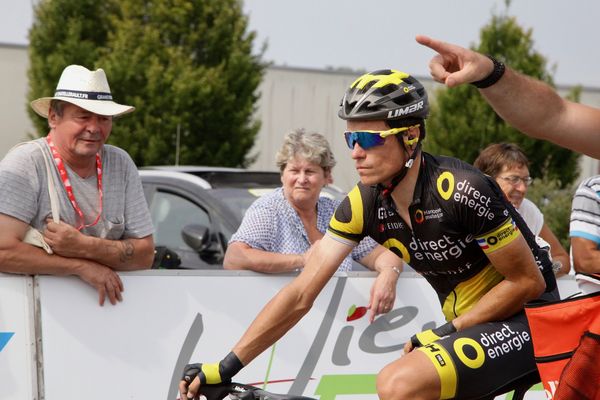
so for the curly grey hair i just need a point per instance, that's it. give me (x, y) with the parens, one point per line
(312, 147)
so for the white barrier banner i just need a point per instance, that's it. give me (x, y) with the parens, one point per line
(17, 343)
(137, 349)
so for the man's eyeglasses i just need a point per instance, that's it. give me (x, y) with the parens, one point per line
(514, 179)
(367, 139)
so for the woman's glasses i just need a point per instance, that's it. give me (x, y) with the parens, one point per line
(367, 139)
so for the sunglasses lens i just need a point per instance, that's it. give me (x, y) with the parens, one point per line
(365, 140)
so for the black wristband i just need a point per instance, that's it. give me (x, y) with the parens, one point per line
(229, 366)
(493, 77)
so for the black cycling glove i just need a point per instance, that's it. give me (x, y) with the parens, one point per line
(213, 373)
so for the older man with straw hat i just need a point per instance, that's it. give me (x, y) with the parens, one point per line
(84, 197)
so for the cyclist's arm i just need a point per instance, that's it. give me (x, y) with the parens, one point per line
(293, 301)
(383, 291)
(536, 109)
(522, 282)
(240, 255)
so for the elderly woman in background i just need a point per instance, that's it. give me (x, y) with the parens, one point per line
(508, 165)
(281, 228)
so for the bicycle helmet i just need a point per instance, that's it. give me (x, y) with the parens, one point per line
(384, 94)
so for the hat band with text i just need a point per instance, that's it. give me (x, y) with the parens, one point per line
(83, 95)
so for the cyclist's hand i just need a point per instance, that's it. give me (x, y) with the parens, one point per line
(195, 375)
(429, 336)
(383, 293)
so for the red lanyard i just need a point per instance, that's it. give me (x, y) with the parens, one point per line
(67, 184)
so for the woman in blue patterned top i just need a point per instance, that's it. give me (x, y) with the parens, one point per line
(281, 228)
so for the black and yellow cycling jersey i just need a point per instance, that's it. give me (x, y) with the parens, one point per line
(457, 215)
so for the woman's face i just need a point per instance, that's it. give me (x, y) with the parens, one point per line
(302, 182)
(513, 182)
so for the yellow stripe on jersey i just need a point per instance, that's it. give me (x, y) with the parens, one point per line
(356, 223)
(446, 370)
(500, 237)
(467, 293)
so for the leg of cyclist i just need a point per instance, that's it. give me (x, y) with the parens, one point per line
(412, 376)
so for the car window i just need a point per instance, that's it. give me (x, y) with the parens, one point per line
(170, 213)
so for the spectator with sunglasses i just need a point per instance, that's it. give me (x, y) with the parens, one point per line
(104, 223)
(508, 165)
(281, 228)
(449, 222)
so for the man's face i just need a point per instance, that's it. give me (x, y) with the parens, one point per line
(79, 133)
(378, 164)
(512, 181)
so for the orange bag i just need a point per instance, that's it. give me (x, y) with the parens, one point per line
(557, 329)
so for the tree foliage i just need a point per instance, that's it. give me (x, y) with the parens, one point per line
(462, 123)
(187, 66)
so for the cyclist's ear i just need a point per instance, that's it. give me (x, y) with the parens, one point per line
(411, 137)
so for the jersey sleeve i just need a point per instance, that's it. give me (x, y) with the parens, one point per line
(480, 207)
(347, 224)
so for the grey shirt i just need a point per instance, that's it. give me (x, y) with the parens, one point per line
(24, 193)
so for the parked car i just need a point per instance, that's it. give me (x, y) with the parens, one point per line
(195, 210)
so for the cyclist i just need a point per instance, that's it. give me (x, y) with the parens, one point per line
(446, 219)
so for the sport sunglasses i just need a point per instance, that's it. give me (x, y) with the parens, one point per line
(367, 139)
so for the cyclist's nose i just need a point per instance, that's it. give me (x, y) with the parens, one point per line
(357, 151)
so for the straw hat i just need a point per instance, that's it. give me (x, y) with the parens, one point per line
(84, 88)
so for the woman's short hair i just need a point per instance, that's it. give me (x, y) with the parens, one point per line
(311, 146)
(495, 157)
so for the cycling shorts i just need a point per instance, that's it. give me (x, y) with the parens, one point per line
(481, 360)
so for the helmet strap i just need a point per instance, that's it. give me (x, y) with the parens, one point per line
(386, 190)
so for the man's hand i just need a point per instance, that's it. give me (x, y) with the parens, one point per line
(195, 375)
(64, 239)
(429, 336)
(106, 281)
(455, 65)
(383, 293)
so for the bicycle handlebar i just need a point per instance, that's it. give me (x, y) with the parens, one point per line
(238, 391)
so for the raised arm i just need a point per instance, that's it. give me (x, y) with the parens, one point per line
(530, 105)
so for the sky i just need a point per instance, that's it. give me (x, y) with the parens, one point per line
(375, 34)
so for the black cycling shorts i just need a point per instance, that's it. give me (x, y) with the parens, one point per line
(482, 359)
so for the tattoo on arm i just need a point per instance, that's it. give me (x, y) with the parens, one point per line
(127, 250)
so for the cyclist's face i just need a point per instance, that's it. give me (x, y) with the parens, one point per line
(377, 164)
(515, 192)
(302, 182)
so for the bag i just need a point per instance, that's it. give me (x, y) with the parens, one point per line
(564, 334)
(33, 236)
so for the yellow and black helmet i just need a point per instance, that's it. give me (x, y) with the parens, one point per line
(384, 94)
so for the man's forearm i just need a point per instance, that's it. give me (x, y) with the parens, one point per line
(23, 258)
(120, 255)
(530, 105)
